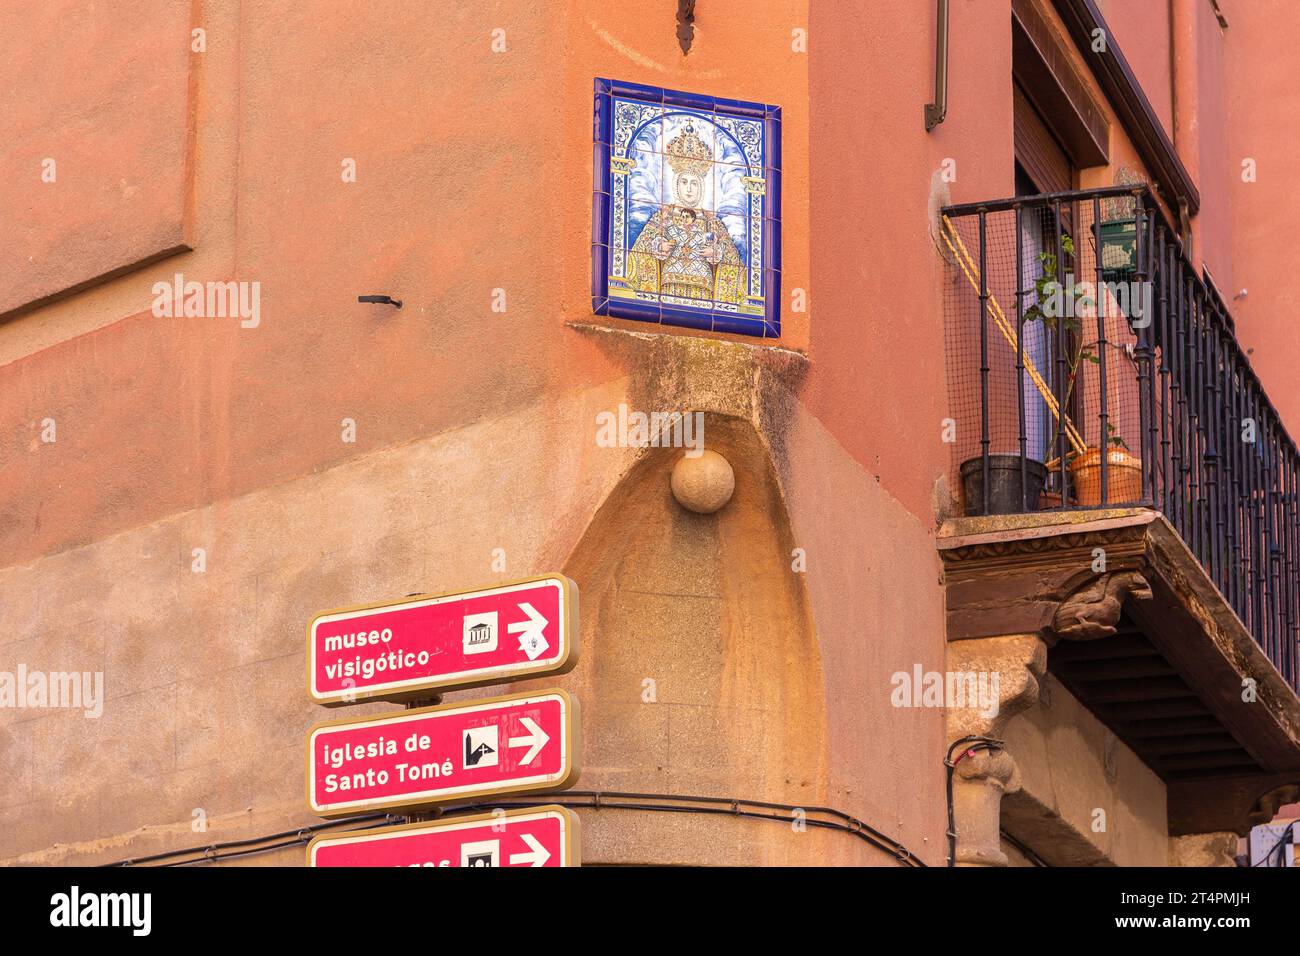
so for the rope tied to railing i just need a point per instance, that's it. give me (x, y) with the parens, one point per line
(972, 273)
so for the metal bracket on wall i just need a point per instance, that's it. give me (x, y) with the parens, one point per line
(685, 24)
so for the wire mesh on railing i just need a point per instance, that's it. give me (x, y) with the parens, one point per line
(1046, 347)
(1090, 366)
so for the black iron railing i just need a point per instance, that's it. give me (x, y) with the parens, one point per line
(1090, 366)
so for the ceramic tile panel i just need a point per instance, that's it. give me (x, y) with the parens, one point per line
(686, 211)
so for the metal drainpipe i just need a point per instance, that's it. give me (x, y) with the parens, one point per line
(936, 111)
(1184, 47)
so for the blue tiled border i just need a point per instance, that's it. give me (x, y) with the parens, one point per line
(767, 327)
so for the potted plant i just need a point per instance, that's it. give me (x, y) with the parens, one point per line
(1124, 469)
(1123, 472)
(1005, 484)
(1016, 483)
(1013, 489)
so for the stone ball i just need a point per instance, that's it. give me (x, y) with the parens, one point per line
(703, 484)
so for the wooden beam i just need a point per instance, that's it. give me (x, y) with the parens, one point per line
(1119, 646)
(1170, 727)
(1118, 668)
(1151, 710)
(1190, 744)
(1234, 758)
(1139, 689)
(1209, 801)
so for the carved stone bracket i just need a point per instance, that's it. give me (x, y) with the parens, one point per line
(1234, 804)
(1042, 579)
(1010, 669)
(1092, 610)
(1147, 644)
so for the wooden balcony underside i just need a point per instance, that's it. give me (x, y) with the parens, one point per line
(1148, 644)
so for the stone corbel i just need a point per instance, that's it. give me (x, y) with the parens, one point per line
(1034, 574)
(1203, 849)
(1011, 668)
(1092, 609)
(1041, 580)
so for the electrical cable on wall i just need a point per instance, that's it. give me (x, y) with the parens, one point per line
(978, 744)
(1279, 848)
(590, 799)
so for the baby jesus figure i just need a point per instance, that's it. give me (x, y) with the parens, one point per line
(689, 251)
(685, 252)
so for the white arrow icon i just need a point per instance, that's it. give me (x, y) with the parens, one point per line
(537, 857)
(531, 640)
(535, 741)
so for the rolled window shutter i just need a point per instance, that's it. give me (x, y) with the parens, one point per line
(1037, 149)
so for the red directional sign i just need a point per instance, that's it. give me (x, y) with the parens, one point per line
(534, 836)
(515, 744)
(402, 650)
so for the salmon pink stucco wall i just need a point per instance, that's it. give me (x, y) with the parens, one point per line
(95, 160)
(473, 172)
(877, 184)
(1262, 102)
(472, 187)
(1142, 31)
(471, 180)
(469, 128)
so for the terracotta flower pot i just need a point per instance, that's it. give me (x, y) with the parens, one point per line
(1051, 501)
(1123, 477)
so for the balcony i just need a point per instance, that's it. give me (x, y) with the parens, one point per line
(1123, 475)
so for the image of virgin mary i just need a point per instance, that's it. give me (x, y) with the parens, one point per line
(685, 251)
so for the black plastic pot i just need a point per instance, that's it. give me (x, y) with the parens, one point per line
(1004, 485)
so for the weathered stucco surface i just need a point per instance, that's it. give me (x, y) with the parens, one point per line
(206, 708)
(97, 132)
(771, 629)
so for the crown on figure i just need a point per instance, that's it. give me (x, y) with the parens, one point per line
(687, 153)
